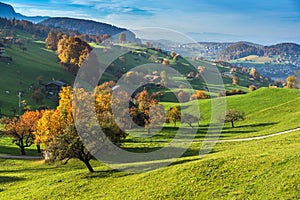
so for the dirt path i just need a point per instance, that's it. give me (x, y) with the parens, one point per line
(258, 137)
(21, 157)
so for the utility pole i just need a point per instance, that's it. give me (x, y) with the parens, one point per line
(19, 95)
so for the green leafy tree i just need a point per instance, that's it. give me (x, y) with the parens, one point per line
(234, 115)
(190, 119)
(69, 145)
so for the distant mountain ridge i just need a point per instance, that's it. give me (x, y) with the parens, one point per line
(7, 11)
(87, 27)
(243, 49)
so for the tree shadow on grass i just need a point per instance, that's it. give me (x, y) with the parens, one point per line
(10, 179)
(202, 132)
(256, 125)
(141, 149)
(106, 173)
(184, 161)
(238, 131)
(17, 152)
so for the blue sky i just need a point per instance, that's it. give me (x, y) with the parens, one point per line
(264, 21)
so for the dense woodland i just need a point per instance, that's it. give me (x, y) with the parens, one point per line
(86, 27)
(10, 26)
(242, 49)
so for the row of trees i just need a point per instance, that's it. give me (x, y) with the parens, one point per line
(55, 129)
(184, 96)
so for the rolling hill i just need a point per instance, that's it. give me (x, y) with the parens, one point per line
(26, 67)
(87, 27)
(242, 49)
(258, 169)
(7, 11)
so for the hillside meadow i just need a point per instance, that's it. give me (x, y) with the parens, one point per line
(25, 70)
(264, 169)
(258, 169)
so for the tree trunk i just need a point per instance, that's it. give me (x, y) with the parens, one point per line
(22, 150)
(38, 147)
(232, 124)
(89, 166)
(149, 134)
(148, 131)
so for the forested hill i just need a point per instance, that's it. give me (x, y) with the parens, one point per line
(240, 50)
(86, 27)
(7, 11)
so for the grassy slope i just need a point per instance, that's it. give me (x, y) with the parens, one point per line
(25, 68)
(265, 169)
(267, 111)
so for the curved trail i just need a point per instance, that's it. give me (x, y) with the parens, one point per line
(21, 157)
(256, 138)
(230, 140)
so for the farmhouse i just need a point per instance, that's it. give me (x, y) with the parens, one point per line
(54, 87)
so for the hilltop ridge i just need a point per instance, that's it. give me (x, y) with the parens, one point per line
(7, 11)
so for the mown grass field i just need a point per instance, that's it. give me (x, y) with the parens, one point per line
(267, 111)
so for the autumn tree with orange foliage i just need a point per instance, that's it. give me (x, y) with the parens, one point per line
(56, 129)
(147, 112)
(72, 51)
(21, 129)
(173, 115)
(200, 94)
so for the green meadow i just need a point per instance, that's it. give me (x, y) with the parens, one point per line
(264, 169)
(26, 67)
(258, 169)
